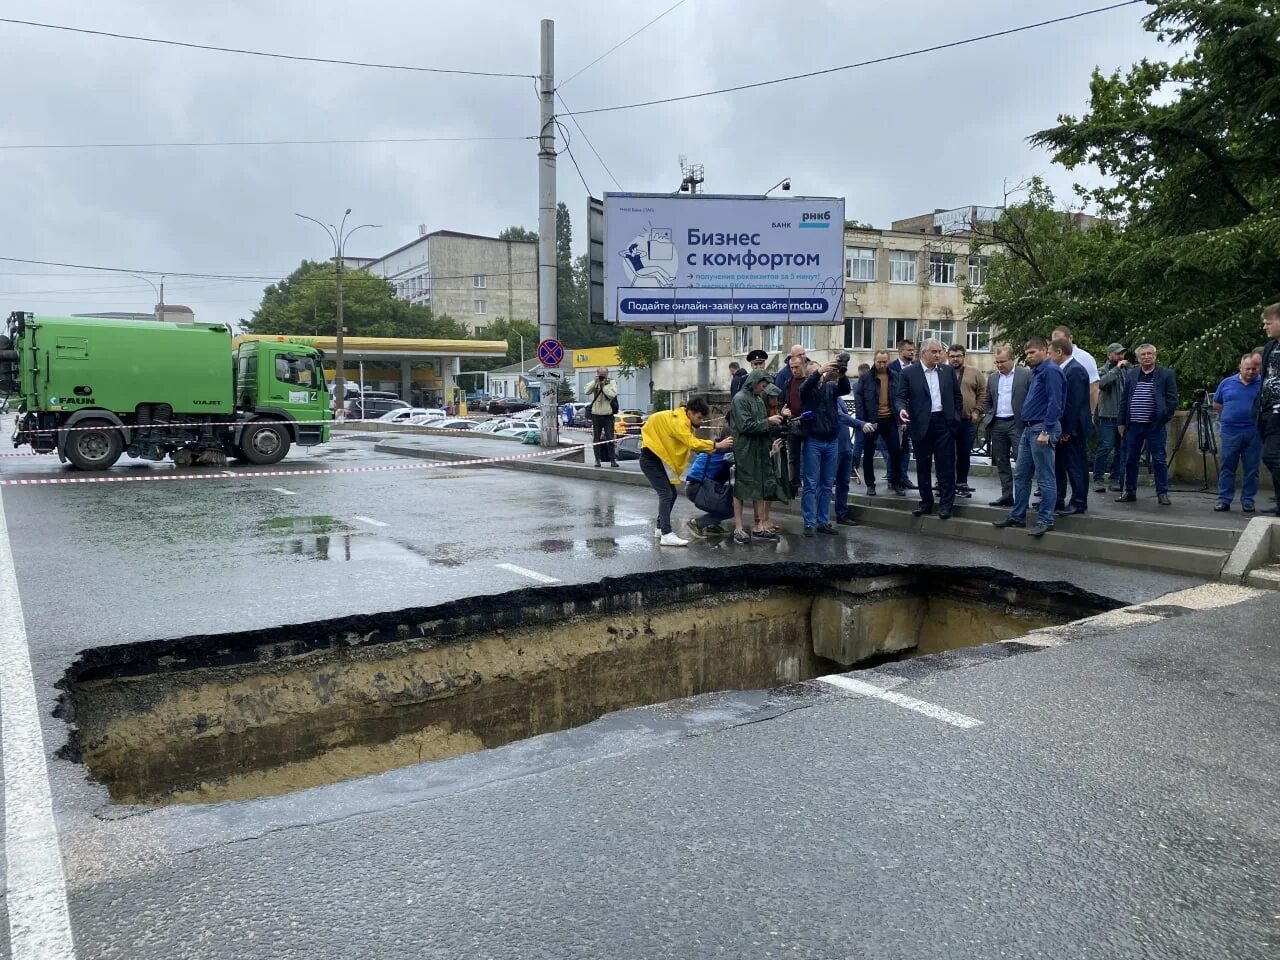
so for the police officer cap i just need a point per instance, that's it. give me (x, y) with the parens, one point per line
(755, 355)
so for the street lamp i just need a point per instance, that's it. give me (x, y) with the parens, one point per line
(159, 292)
(784, 183)
(339, 235)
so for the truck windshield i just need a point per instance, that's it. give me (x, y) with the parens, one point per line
(300, 371)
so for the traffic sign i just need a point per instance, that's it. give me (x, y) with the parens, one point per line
(550, 353)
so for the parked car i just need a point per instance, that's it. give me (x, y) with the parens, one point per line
(451, 423)
(404, 414)
(627, 448)
(627, 424)
(494, 424)
(522, 432)
(509, 405)
(372, 408)
(579, 415)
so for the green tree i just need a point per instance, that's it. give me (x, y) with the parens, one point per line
(305, 302)
(511, 331)
(518, 233)
(1190, 155)
(636, 350)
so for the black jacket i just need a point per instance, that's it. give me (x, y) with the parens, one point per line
(1261, 412)
(823, 399)
(739, 378)
(866, 395)
(913, 396)
(1166, 394)
(1077, 420)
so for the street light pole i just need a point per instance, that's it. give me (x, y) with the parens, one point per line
(339, 235)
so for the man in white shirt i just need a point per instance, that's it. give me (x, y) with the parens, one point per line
(1007, 387)
(1085, 359)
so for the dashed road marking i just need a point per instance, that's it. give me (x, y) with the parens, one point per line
(369, 520)
(36, 887)
(287, 493)
(526, 572)
(911, 703)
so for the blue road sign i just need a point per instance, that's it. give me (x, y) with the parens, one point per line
(550, 353)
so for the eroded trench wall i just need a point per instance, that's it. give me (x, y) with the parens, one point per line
(220, 718)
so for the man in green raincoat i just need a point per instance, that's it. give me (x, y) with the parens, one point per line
(754, 475)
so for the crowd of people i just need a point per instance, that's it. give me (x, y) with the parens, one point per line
(793, 435)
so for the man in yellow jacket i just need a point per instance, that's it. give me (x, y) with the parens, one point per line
(667, 443)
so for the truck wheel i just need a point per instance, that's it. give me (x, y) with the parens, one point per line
(264, 442)
(94, 449)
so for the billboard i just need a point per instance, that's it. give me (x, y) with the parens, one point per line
(683, 261)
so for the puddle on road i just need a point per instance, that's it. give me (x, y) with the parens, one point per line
(216, 718)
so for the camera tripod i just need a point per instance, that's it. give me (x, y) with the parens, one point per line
(1206, 442)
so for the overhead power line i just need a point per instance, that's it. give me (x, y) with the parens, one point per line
(243, 277)
(257, 53)
(582, 70)
(247, 143)
(588, 142)
(862, 63)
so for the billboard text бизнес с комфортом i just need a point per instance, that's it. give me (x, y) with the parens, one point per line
(723, 260)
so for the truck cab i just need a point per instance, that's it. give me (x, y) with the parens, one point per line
(281, 379)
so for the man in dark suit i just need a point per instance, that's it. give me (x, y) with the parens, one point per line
(1071, 460)
(929, 403)
(1150, 398)
(1002, 412)
(906, 357)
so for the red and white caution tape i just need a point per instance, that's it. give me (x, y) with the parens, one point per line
(311, 472)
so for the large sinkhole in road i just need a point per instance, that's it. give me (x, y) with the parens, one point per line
(212, 718)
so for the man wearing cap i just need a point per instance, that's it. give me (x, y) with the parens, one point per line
(1110, 396)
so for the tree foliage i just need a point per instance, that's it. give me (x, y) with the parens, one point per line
(636, 350)
(1190, 155)
(518, 233)
(305, 303)
(510, 331)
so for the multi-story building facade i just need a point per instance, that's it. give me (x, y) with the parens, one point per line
(898, 283)
(471, 278)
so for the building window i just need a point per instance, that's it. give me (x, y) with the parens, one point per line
(666, 346)
(900, 330)
(857, 333)
(479, 282)
(942, 269)
(978, 266)
(860, 264)
(902, 266)
(807, 337)
(689, 343)
(771, 339)
(482, 306)
(944, 330)
(713, 342)
(741, 339)
(977, 335)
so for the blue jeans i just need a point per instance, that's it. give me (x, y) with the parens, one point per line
(818, 470)
(1035, 459)
(1153, 436)
(1239, 443)
(1108, 446)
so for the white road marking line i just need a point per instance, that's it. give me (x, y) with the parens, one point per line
(526, 572)
(287, 493)
(39, 922)
(369, 520)
(911, 703)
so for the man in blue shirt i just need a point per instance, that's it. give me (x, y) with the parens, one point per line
(1234, 400)
(1041, 430)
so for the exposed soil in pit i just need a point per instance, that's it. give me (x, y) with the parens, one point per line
(206, 719)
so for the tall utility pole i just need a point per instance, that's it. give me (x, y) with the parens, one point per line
(548, 307)
(339, 235)
(691, 178)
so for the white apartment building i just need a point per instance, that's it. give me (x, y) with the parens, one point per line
(471, 278)
(905, 282)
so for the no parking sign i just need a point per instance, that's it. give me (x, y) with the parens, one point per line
(550, 353)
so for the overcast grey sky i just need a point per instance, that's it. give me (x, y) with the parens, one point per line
(897, 139)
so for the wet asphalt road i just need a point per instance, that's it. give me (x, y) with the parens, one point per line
(1118, 800)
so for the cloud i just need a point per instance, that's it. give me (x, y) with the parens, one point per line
(896, 139)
